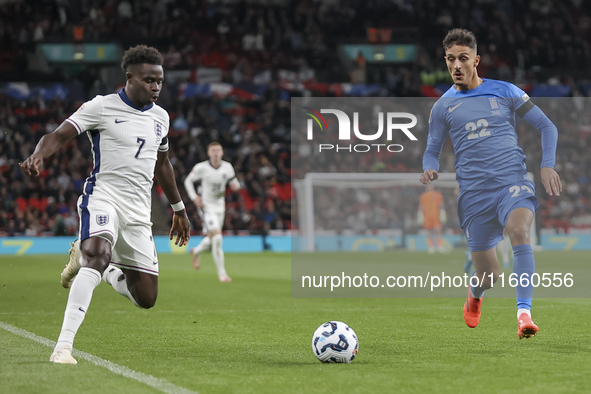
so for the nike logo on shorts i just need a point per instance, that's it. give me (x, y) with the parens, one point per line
(121, 121)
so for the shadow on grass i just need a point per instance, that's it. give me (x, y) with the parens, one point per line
(292, 363)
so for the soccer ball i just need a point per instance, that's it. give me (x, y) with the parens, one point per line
(335, 342)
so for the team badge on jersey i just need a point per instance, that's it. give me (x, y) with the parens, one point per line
(158, 129)
(494, 106)
(102, 220)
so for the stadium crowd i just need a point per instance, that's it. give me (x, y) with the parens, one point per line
(253, 41)
(255, 137)
(517, 39)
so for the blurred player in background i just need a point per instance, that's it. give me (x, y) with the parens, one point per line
(431, 215)
(128, 133)
(215, 175)
(495, 192)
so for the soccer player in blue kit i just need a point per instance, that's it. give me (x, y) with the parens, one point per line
(495, 192)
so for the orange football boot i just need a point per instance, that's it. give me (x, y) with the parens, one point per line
(526, 328)
(472, 310)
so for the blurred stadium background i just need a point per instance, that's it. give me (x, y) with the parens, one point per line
(231, 68)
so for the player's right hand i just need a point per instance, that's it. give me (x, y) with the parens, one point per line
(181, 226)
(31, 165)
(428, 176)
(198, 202)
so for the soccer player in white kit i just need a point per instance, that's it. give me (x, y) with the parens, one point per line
(128, 133)
(214, 174)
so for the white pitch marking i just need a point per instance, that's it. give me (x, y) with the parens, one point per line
(158, 384)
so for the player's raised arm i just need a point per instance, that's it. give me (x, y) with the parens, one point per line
(47, 146)
(165, 176)
(435, 140)
(537, 118)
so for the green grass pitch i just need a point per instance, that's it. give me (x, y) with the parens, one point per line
(250, 336)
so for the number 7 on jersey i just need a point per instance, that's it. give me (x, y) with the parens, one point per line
(140, 141)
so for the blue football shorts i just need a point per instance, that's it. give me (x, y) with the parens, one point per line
(483, 213)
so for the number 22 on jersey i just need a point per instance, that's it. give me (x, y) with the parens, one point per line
(481, 124)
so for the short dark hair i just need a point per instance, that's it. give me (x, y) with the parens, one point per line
(139, 55)
(214, 143)
(459, 37)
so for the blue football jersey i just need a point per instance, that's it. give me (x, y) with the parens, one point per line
(481, 125)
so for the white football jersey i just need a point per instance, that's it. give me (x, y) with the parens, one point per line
(125, 142)
(213, 184)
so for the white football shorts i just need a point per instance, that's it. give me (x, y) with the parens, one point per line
(212, 220)
(132, 244)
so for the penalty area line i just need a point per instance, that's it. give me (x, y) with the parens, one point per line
(158, 384)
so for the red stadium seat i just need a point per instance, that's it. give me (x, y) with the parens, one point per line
(35, 202)
(22, 203)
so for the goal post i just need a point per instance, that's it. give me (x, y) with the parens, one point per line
(376, 209)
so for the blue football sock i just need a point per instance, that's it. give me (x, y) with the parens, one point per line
(524, 263)
(468, 263)
(477, 291)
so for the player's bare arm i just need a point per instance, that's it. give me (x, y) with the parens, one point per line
(234, 185)
(551, 181)
(47, 146)
(428, 176)
(198, 202)
(165, 176)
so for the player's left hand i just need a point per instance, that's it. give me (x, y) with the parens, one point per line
(429, 176)
(182, 226)
(551, 181)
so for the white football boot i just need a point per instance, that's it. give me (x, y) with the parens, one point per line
(63, 356)
(71, 269)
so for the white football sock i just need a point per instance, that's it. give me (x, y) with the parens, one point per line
(218, 253)
(505, 249)
(116, 278)
(520, 311)
(203, 246)
(78, 301)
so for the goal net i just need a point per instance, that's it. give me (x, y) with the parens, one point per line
(352, 212)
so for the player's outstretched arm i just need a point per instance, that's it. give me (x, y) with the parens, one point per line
(47, 146)
(438, 130)
(165, 177)
(428, 176)
(551, 180)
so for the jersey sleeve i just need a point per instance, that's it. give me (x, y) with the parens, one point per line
(438, 129)
(231, 173)
(233, 182)
(88, 116)
(163, 145)
(537, 118)
(520, 102)
(194, 176)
